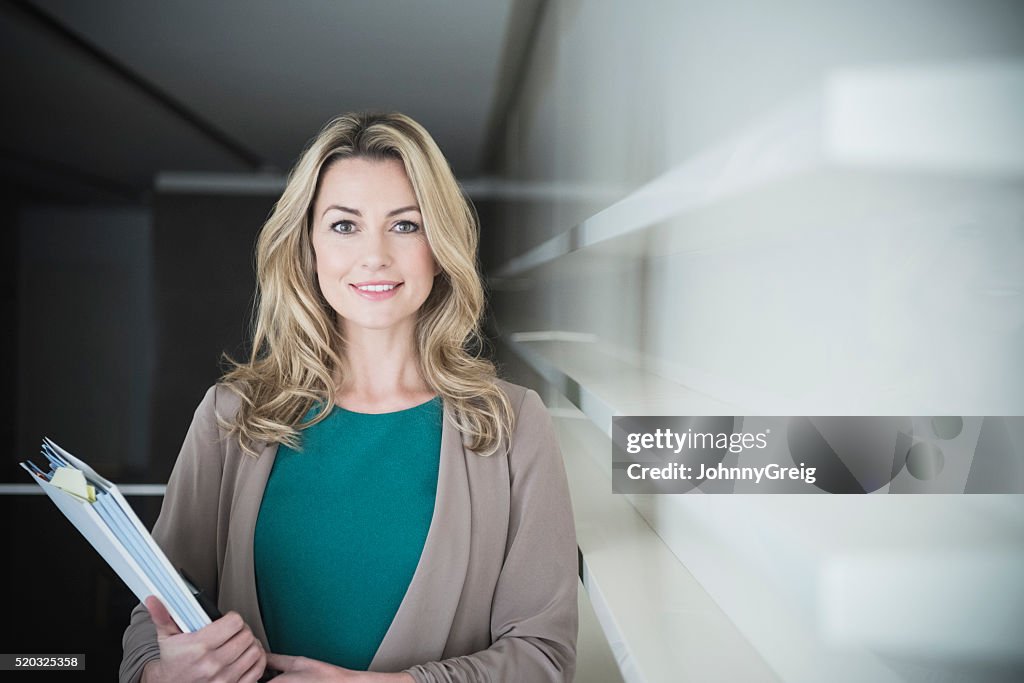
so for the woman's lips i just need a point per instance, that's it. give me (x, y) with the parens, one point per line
(376, 296)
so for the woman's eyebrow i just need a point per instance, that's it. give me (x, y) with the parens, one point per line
(358, 213)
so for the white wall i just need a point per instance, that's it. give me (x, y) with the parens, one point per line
(791, 208)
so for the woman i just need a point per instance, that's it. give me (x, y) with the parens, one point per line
(363, 498)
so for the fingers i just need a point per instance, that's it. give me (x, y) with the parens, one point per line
(214, 634)
(239, 643)
(251, 661)
(255, 672)
(165, 625)
(221, 631)
(281, 662)
(225, 649)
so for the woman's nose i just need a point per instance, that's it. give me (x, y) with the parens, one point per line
(376, 254)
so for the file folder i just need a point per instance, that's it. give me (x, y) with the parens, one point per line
(112, 528)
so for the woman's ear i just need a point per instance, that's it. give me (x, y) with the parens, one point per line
(437, 268)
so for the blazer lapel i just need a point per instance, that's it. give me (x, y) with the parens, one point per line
(421, 626)
(239, 587)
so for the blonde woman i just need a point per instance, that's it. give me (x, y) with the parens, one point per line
(364, 499)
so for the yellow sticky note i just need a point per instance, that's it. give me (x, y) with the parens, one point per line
(72, 481)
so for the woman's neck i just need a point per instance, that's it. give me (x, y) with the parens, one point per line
(383, 374)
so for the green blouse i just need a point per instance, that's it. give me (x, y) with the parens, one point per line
(341, 529)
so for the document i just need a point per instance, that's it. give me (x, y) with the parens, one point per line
(103, 516)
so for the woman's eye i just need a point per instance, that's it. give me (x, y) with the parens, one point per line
(407, 226)
(343, 227)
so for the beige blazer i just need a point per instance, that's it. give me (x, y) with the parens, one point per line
(493, 597)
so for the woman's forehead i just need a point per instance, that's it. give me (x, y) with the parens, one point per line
(364, 183)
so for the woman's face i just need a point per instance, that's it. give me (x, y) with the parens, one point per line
(373, 261)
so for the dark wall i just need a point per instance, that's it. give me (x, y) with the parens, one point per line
(9, 311)
(119, 316)
(77, 292)
(84, 335)
(204, 286)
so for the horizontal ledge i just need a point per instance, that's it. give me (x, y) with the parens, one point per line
(185, 182)
(602, 384)
(656, 616)
(850, 577)
(490, 188)
(960, 119)
(125, 489)
(482, 188)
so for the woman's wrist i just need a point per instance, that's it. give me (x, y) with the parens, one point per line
(149, 671)
(374, 677)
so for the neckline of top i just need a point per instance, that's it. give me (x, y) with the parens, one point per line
(393, 412)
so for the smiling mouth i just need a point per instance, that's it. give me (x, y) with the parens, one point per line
(376, 292)
(376, 288)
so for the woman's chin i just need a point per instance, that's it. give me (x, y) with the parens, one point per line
(379, 325)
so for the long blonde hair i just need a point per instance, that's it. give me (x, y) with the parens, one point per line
(296, 344)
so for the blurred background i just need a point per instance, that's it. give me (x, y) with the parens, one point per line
(687, 208)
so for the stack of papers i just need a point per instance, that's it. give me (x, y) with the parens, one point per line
(103, 516)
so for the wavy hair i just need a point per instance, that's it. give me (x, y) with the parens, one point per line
(297, 349)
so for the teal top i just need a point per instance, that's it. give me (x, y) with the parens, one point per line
(341, 529)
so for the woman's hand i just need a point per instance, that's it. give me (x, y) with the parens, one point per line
(305, 670)
(225, 650)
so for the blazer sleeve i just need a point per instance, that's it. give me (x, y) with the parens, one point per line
(534, 614)
(185, 530)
